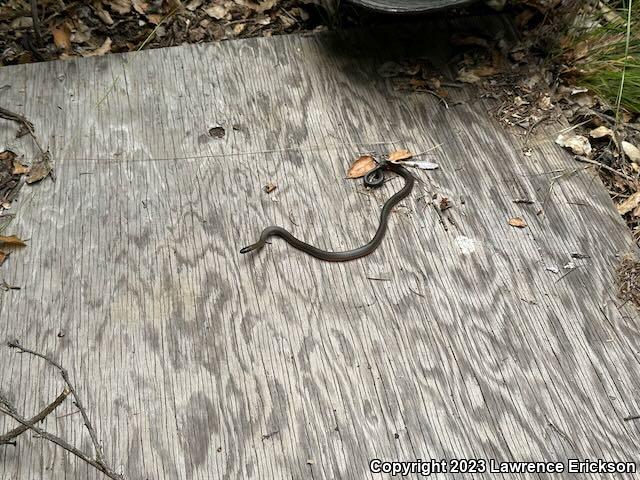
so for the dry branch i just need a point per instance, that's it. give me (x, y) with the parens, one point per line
(8, 409)
(8, 438)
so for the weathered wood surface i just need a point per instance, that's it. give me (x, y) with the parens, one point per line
(187, 353)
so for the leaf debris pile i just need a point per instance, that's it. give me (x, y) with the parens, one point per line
(64, 28)
(629, 280)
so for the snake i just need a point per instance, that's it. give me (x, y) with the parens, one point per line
(373, 179)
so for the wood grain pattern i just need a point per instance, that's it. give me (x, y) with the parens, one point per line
(196, 362)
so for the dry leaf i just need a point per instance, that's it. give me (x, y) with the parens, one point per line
(120, 6)
(154, 18)
(466, 76)
(269, 187)
(101, 13)
(62, 36)
(631, 151)
(7, 155)
(216, 11)
(12, 241)
(578, 144)
(193, 5)
(140, 6)
(484, 71)
(259, 7)
(399, 155)
(601, 132)
(19, 169)
(104, 48)
(629, 204)
(361, 166)
(517, 222)
(40, 170)
(3, 256)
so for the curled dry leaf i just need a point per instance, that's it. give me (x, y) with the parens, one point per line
(104, 48)
(216, 11)
(601, 132)
(400, 155)
(629, 204)
(578, 144)
(62, 36)
(12, 241)
(517, 222)
(7, 155)
(40, 169)
(269, 187)
(120, 6)
(19, 169)
(361, 166)
(631, 151)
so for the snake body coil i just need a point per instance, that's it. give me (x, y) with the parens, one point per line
(373, 178)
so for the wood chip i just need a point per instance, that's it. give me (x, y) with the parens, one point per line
(361, 166)
(517, 222)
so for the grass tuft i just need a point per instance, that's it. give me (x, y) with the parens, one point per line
(605, 44)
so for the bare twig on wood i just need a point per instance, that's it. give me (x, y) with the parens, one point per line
(98, 462)
(26, 127)
(8, 438)
(582, 159)
(10, 411)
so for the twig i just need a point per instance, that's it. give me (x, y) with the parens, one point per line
(8, 410)
(36, 21)
(76, 398)
(8, 437)
(582, 159)
(25, 126)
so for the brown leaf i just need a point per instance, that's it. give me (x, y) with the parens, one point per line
(601, 132)
(269, 187)
(140, 6)
(517, 222)
(193, 5)
(40, 170)
(7, 155)
(120, 6)
(3, 256)
(101, 50)
(361, 166)
(62, 36)
(399, 155)
(629, 204)
(19, 169)
(12, 241)
(101, 13)
(216, 11)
